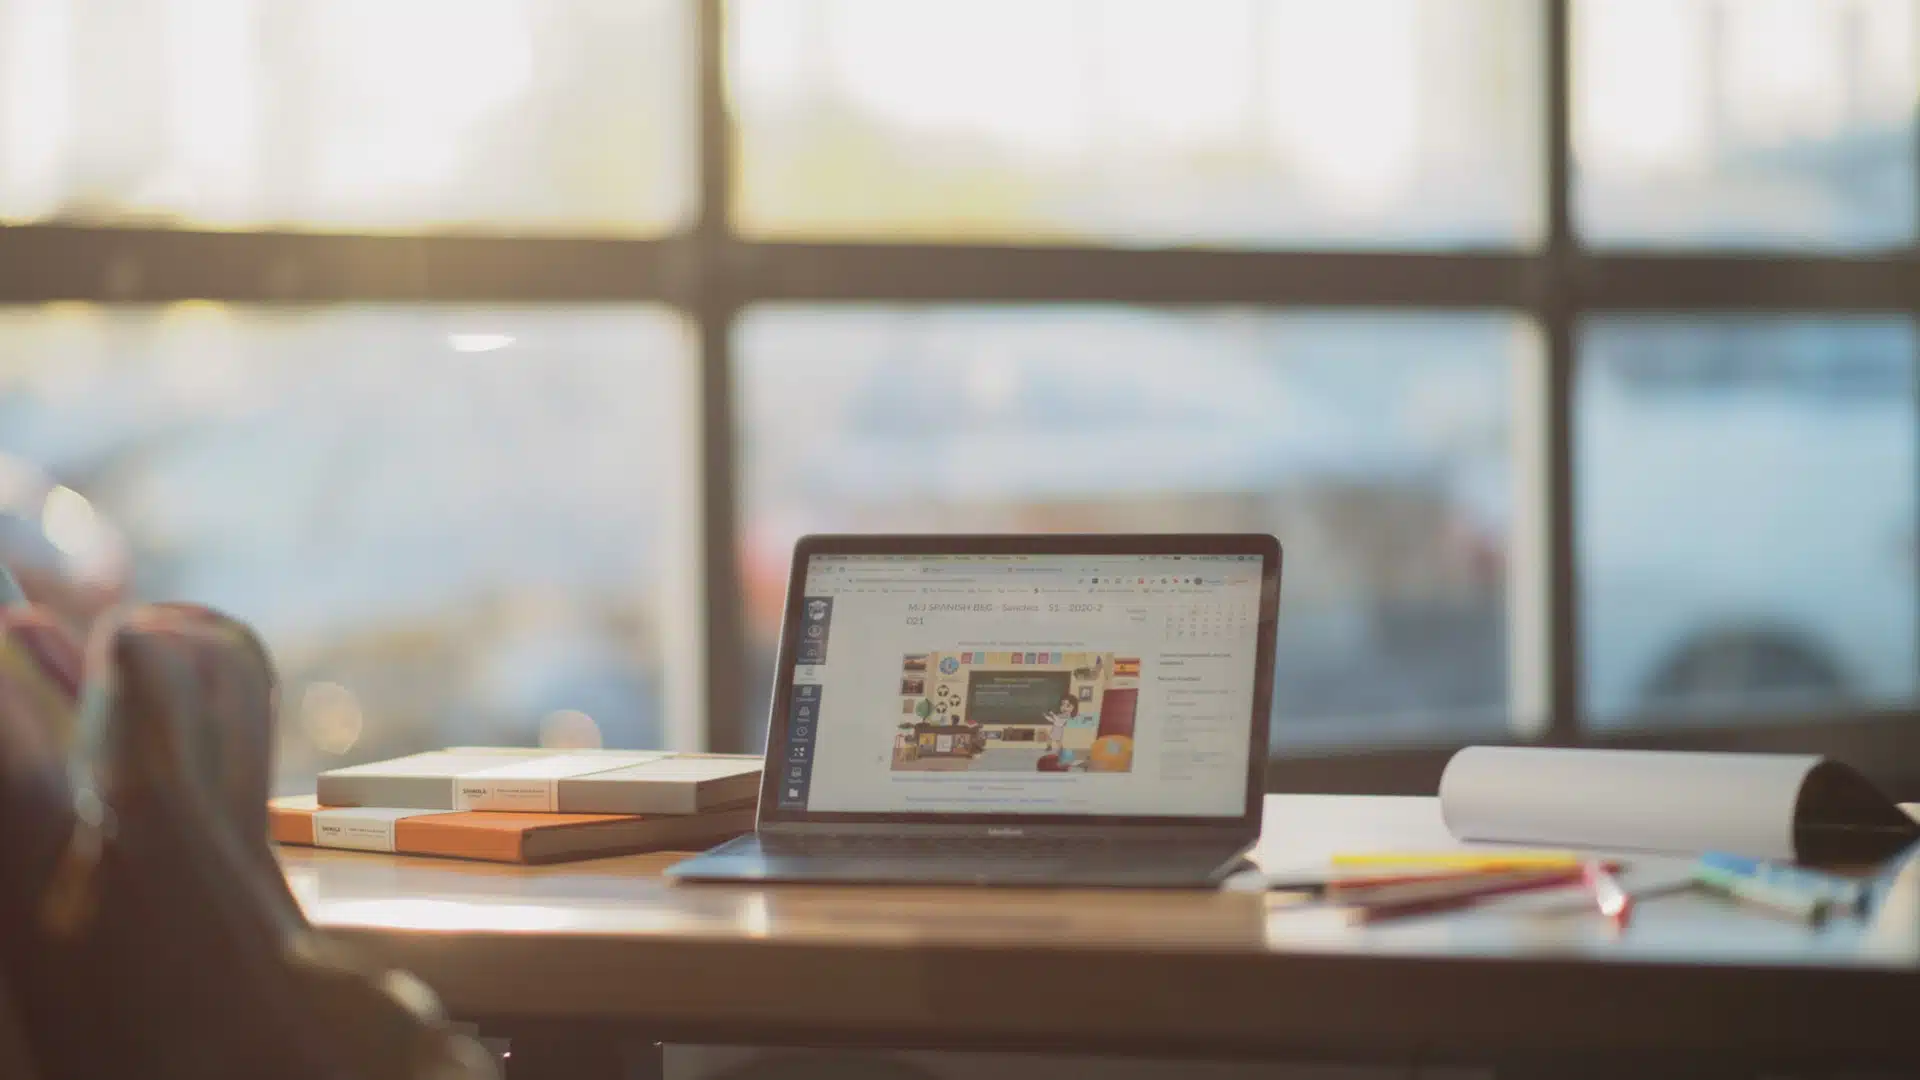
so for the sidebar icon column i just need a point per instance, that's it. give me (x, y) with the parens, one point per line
(803, 709)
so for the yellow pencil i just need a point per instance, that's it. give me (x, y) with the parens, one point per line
(1460, 860)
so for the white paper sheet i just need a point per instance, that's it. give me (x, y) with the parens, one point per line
(1301, 834)
(1626, 799)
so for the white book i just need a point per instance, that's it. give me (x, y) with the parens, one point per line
(550, 781)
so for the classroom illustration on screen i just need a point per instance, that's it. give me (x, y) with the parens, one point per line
(1016, 711)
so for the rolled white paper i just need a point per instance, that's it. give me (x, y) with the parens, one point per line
(1647, 800)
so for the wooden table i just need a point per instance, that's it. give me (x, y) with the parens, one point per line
(608, 949)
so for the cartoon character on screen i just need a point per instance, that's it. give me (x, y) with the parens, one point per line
(1059, 718)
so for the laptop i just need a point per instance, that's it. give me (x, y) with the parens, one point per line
(1016, 710)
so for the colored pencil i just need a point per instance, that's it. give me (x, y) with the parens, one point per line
(1394, 902)
(1320, 882)
(1338, 884)
(1463, 860)
(1613, 901)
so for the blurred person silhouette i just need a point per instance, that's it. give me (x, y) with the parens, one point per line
(145, 928)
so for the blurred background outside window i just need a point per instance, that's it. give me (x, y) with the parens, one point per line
(1747, 124)
(451, 524)
(486, 509)
(1244, 124)
(348, 115)
(1747, 514)
(1376, 445)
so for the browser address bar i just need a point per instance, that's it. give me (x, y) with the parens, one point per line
(938, 575)
(1000, 570)
(856, 580)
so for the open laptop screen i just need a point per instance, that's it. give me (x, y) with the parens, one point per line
(1109, 685)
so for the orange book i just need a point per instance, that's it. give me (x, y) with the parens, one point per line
(499, 836)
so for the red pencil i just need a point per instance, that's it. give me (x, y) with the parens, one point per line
(1613, 901)
(1393, 901)
(1340, 887)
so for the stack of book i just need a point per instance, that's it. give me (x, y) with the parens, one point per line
(519, 805)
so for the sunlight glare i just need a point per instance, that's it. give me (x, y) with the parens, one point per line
(212, 111)
(70, 524)
(569, 729)
(36, 79)
(415, 84)
(1639, 83)
(331, 716)
(918, 66)
(1344, 94)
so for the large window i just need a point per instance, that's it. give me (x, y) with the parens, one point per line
(1378, 123)
(489, 354)
(1747, 515)
(1377, 445)
(348, 115)
(1765, 124)
(452, 524)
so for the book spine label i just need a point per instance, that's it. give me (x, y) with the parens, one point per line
(357, 829)
(540, 795)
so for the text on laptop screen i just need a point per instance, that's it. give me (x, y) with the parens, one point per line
(1022, 684)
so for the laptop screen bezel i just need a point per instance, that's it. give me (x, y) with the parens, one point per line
(1260, 544)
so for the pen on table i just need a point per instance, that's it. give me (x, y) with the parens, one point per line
(1322, 883)
(1461, 860)
(1613, 901)
(1796, 904)
(1391, 902)
(1337, 883)
(1840, 892)
(11, 595)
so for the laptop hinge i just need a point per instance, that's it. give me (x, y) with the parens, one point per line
(1223, 834)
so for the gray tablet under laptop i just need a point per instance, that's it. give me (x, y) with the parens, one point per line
(1036, 710)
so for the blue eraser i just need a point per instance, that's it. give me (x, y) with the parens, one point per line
(1733, 864)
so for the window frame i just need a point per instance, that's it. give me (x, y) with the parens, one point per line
(712, 274)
